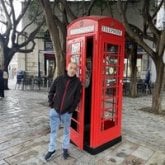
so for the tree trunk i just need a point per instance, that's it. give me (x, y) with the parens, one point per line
(59, 57)
(60, 66)
(6, 80)
(54, 33)
(7, 58)
(6, 87)
(158, 87)
(2, 63)
(133, 67)
(1, 55)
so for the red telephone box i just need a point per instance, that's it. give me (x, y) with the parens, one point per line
(97, 45)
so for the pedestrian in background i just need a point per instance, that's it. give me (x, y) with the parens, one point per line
(148, 81)
(64, 96)
(1, 84)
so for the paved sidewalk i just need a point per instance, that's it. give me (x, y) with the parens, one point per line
(24, 134)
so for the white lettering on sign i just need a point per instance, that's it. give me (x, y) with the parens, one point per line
(107, 29)
(86, 29)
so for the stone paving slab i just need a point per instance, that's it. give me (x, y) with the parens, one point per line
(14, 150)
(143, 153)
(133, 160)
(157, 159)
(118, 155)
(32, 156)
(2, 162)
(24, 134)
(143, 127)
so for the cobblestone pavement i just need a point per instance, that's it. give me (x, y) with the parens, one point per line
(24, 134)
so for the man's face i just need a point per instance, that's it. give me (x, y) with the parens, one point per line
(71, 69)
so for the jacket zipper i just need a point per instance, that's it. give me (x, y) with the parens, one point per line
(63, 97)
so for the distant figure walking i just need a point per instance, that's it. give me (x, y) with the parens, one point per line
(1, 84)
(147, 82)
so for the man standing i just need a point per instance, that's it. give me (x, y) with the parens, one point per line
(1, 84)
(64, 96)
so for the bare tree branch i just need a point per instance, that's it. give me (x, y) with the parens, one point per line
(9, 23)
(157, 9)
(6, 11)
(109, 5)
(132, 34)
(148, 19)
(31, 36)
(11, 31)
(2, 38)
(25, 7)
(161, 48)
(12, 11)
(3, 22)
(68, 10)
(141, 33)
(27, 50)
(88, 11)
(13, 34)
(30, 23)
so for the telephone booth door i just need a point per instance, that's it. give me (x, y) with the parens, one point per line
(108, 93)
(76, 53)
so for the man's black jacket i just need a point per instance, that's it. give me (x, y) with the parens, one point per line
(65, 93)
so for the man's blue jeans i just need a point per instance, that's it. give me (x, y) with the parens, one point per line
(54, 126)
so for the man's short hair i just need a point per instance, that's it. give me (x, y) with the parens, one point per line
(72, 63)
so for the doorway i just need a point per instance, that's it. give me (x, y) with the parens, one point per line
(88, 89)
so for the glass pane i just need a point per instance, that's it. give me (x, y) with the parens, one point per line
(110, 86)
(74, 123)
(111, 48)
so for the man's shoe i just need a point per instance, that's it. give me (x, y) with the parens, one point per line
(49, 155)
(65, 153)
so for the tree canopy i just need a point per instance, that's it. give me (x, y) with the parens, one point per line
(12, 38)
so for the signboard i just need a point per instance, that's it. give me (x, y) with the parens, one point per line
(82, 30)
(110, 30)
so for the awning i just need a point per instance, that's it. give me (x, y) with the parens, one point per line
(49, 56)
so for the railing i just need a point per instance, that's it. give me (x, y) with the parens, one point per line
(142, 87)
(32, 83)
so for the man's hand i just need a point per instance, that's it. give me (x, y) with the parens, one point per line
(51, 104)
